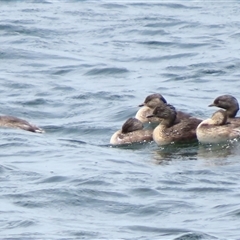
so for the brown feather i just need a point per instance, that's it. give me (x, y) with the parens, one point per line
(132, 132)
(170, 131)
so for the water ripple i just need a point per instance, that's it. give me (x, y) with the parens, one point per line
(79, 69)
(106, 71)
(19, 223)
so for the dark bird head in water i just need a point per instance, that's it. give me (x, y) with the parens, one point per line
(164, 111)
(227, 102)
(153, 100)
(131, 125)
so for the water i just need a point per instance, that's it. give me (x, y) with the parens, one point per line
(79, 69)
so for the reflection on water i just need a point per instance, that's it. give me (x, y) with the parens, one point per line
(133, 146)
(175, 152)
(218, 154)
(212, 154)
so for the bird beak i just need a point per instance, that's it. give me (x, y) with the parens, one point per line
(149, 116)
(212, 105)
(141, 105)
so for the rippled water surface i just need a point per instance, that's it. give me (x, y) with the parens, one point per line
(79, 69)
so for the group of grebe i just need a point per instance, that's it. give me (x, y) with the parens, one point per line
(175, 126)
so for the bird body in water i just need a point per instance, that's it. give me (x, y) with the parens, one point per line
(148, 106)
(230, 104)
(132, 132)
(216, 129)
(168, 131)
(14, 122)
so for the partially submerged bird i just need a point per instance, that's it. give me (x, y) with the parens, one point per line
(132, 132)
(150, 103)
(230, 104)
(14, 122)
(168, 131)
(216, 129)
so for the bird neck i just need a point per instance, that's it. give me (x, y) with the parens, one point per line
(232, 112)
(166, 123)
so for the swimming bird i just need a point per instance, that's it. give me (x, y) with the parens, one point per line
(230, 104)
(132, 132)
(216, 129)
(168, 131)
(14, 122)
(150, 103)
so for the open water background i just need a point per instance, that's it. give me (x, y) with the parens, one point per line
(79, 69)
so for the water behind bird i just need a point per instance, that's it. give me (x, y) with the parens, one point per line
(79, 69)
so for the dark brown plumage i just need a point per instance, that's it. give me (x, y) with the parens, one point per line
(131, 125)
(227, 102)
(169, 131)
(230, 104)
(150, 103)
(14, 122)
(152, 100)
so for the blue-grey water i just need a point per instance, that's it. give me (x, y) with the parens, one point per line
(79, 69)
